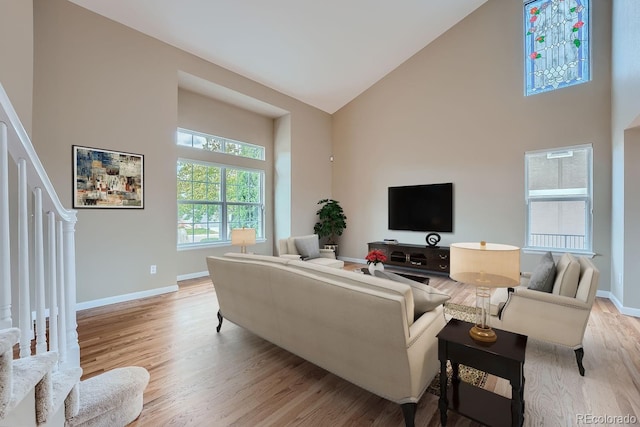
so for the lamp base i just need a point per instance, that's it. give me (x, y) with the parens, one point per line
(481, 334)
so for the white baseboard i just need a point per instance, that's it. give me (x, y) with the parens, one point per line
(192, 275)
(126, 297)
(628, 311)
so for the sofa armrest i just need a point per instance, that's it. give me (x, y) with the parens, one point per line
(553, 318)
(558, 300)
(327, 253)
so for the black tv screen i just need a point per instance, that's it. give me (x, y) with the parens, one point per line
(421, 207)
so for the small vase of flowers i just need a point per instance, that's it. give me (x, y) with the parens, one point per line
(375, 259)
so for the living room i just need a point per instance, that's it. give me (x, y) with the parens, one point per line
(447, 124)
(454, 112)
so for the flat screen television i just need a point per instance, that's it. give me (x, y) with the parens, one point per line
(421, 207)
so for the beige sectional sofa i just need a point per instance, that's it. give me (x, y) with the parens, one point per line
(356, 326)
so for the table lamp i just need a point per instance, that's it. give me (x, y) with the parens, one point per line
(243, 237)
(486, 266)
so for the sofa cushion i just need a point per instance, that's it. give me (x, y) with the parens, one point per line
(543, 275)
(567, 276)
(308, 246)
(425, 298)
(329, 262)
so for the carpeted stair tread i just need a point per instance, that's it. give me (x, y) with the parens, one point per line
(112, 398)
(8, 337)
(27, 373)
(62, 383)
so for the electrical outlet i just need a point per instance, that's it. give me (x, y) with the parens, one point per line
(152, 270)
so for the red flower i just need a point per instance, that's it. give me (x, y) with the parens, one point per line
(375, 256)
(534, 11)
(534, 55)
(578, 24)
(533, 19)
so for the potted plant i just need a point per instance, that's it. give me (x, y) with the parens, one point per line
(331, 222)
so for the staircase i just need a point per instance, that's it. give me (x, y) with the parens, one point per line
(37, 304)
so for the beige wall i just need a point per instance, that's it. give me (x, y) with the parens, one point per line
(626, 153)
(16, 51)
(455, 112)
(100, 84)
(203, 114)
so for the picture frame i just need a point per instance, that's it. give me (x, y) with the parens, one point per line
(107, 179)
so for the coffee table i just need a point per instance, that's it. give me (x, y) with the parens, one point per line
(503, 358)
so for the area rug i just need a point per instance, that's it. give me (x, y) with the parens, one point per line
(466, 373)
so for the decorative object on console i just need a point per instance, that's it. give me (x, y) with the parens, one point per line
(486, 266)
(375, 259)
(243, 237)
(331, 222)
(433, 239)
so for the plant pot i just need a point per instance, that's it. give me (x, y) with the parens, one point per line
(334, 248)
(375, 266)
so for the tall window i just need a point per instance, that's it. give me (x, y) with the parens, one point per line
(559, 199)
(556, 44)
(214, 198)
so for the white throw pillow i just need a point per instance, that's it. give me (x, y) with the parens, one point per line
(425, 298)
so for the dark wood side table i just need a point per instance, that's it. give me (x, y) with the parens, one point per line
(503, 358)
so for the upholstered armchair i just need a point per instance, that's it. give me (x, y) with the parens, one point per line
(307, 248)
(558, 315)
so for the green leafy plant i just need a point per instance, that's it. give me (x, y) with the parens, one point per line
(331, 220)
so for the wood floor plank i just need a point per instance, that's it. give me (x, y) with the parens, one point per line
(234, 378)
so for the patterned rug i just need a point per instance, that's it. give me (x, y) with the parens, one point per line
(467, 374)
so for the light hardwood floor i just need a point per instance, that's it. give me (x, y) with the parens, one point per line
(202, 378)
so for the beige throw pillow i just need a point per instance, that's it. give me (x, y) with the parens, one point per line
(567, 276)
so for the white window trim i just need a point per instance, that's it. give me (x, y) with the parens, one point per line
(224, 140)
(227, 241)
(574, 194)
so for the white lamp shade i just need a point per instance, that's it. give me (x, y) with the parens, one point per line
(243, 236)
(490, 265)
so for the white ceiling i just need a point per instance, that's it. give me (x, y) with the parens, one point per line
(323, 52)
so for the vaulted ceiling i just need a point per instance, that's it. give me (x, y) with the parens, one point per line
(323, 53)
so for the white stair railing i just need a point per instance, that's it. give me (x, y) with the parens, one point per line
(41, 246)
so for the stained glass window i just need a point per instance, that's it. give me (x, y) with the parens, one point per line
(556, 44)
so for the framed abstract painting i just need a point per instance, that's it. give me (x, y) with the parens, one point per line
(107, 179)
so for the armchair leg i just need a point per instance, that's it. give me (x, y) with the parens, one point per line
(219, 321)
(579, 356)
(409, 412)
